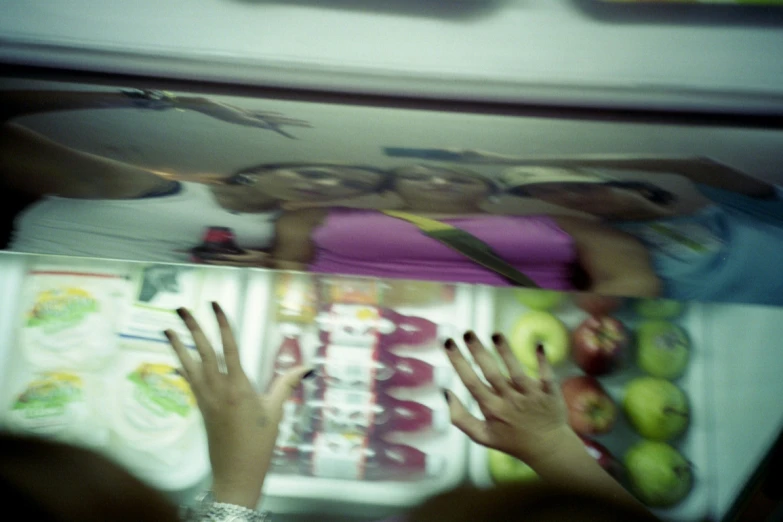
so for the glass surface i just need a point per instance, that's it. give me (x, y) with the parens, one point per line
(674, 209)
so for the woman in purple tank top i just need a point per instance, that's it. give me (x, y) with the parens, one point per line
(560, 253)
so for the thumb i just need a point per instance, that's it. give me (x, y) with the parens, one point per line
(464, 421)
(283, 386)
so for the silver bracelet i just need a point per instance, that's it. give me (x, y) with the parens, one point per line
(151, 99)
(207, 510)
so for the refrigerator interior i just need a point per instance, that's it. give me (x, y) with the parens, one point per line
(726, 394)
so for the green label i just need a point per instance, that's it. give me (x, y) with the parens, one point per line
(162, 390)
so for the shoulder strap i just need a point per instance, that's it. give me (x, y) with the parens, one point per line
(466, 244)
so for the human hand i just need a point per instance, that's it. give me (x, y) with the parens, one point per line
(241, 425)
(523, 416)
(249, 118)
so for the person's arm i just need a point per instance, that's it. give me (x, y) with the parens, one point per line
(294, 248)
(526, 418)
(34, 164)
(616, 262)
(697, 169)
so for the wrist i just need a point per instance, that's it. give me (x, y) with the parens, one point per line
(246, 494)
(550, 449)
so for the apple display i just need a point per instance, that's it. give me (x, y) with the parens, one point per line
(539, 328)
(591, 411)
(604, 457)
(658, 474)
(539, 299)
(662, 349)
(595, 304)
(505, 468)
(599, 345)
(656, 408)
(658, 308)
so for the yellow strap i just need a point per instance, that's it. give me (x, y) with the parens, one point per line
(425, 224)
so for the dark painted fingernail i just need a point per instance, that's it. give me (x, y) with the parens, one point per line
(446, 394)
(309, 374)
(216, 307)
(181, 312)
(540, 349)
(469, 337)
(168, 335)
(497, 338)
(450, 345)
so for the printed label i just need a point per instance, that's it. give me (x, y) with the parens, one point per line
(296, 299)
(289, 436)
(57, 309)
(350, 366)
(339, 456)
(348, 411)
(49, 396)
(352, 291)
(355, 325)
(162, 390)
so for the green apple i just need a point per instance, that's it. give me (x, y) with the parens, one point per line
(662, 349)
(539, 299)
(505, 468)
(656, 408)
(539, 328)
(658, 308)
(659, 475)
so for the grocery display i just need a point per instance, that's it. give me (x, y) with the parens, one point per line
(93, 370)
(373, 418)
(598, 403)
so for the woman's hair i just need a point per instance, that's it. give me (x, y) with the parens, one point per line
(242, 176)
(53, 482)
(492, 184)
(649, 191)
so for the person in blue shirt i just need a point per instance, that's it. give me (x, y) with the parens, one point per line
(728, 249)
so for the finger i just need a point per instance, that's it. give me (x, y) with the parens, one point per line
(516, 373)
(230, 349)
(187, 362)
(205, 350)
(284, 385)
(487, 363)
(464, 421)
(480, 391)
(545, 372)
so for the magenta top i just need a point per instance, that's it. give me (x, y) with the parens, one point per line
(369, 243)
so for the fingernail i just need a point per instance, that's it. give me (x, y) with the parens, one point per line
(167, 333)
(446, 394)
(450, 344)
(309, 374)
(497, 338)
(181, 312)
(216, 307)
(469, 337)
(540, 349)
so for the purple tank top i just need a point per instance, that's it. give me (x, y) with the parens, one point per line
(369, 243)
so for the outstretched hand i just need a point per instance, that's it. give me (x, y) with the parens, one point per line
(249, 118)
(241, 425)
(523, 416)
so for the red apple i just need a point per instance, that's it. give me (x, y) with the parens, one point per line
(590, 409)
(595, 304)
(599, 344)
(604, 457)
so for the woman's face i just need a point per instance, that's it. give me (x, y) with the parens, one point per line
(316, 183)
(440, 185)
(592, 198)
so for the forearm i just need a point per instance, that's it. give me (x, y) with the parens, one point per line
(572, 467)
(14, 104)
